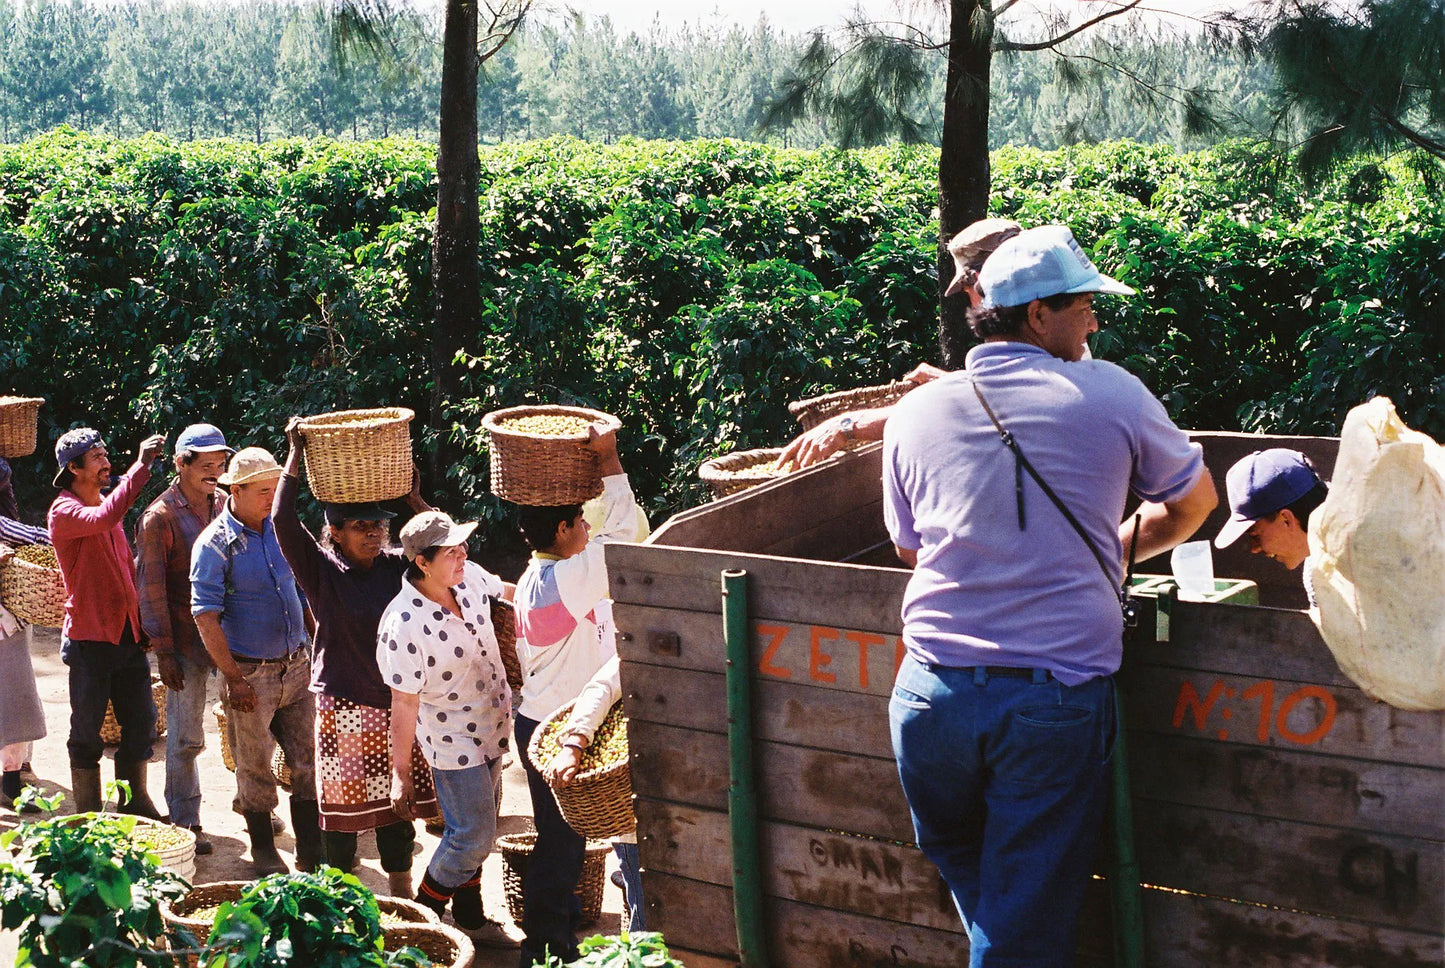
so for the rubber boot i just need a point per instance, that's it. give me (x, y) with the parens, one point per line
(11, 786)
(263, 844)
(305, 825)
(139, 804)
(338, 847)
(398, 884)
(85, 788)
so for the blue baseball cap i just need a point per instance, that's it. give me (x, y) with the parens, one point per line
(1265, 482)
(1038, 263)
(203, 439)
(71, 445)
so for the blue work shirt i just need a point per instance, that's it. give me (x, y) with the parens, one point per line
(242, 574)
(985, 591)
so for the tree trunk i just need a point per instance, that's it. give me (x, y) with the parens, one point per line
(454, 247)
(963, 167)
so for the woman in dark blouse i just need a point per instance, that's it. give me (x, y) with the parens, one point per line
(348, 579)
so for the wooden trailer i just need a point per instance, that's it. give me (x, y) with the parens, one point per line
(1281, 817)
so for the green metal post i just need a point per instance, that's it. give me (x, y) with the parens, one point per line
(1124, 878)
(742, 789)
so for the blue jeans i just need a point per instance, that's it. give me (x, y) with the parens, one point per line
(549, 900)
(631, 865)
(468, 798)
(1005, 778)
(185, 738)
(102, 672)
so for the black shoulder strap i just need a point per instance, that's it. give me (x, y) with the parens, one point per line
(1021, 464)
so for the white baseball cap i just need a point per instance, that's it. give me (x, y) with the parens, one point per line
(1038, 263)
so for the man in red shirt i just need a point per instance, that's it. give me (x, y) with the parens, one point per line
(101, 641)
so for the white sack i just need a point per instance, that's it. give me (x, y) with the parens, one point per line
(1377, 559)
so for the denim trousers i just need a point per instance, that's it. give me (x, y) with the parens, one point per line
(1006, 778)
(185, 738)
(468, 799)
(102, 672)
(630, 864)
(285, 713)
(549, 902)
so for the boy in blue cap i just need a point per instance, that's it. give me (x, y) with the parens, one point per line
(1271, 496)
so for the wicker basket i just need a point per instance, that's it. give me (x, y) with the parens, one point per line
(740, 470)
(33, 592)
(504, 620)
(539, 470)
(182, 859)
(110, 727)
(405, 909)
(358, 456)
(18, 419)
(178, 914)
(444, 945)
(280, 768)
(517, 851)
(598, 803)
(815, 410)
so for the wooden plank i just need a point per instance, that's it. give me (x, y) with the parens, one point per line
(699, 917)
(1279, 713)
(823, 655)
(1395, 882)
(784, 712)
(761, 516)
(852, 793)
(1361, 795)
(785, 589)
(833, 539)
(875, 878)
(1186, 931)
(1244, 640)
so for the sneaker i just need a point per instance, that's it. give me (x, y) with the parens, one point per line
(493, 934)
(203, 841)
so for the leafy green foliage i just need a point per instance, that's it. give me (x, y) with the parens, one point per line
(643, 950)
(81, 891)
(693, 289)
(327, 919)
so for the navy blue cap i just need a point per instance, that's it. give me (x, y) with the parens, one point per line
(1265, 482)
(202, 438)
(71, 445)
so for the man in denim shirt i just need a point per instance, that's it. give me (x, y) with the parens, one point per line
(252, 621)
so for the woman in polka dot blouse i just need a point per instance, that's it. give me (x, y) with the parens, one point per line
(437, 651)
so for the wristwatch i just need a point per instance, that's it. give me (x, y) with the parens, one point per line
(845, 427)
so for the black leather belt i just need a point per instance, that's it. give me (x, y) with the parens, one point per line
(1011, 671)
(278, 660)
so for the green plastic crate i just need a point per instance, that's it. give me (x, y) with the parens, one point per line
(1162, 588)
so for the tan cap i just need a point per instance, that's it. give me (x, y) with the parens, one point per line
(974, 244)
(250, 464)
(431, 529)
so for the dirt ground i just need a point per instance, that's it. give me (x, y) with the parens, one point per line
(227, 830)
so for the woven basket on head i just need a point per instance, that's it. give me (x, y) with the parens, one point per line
(280, 767)
(110, 726)
(539, 470)
(359, 456)
(517, 851)
(740, 470)
(33, 592)
(815, 410)
(598, 803)
(504, 621)
(444, 945)
(18, 419)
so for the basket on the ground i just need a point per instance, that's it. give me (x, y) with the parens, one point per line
(175, 846)
(196, 912)
(399, 911)
(34, 592)
(517, 851)
(358, 456)
(598, 802)
(815, 410)
(444, 945)
(504, 621)
(110, 726)
(540, 456)
(18, 419)
(280, 767)
(741, 470)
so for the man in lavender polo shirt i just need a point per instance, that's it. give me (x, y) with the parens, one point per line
(1003, 711)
